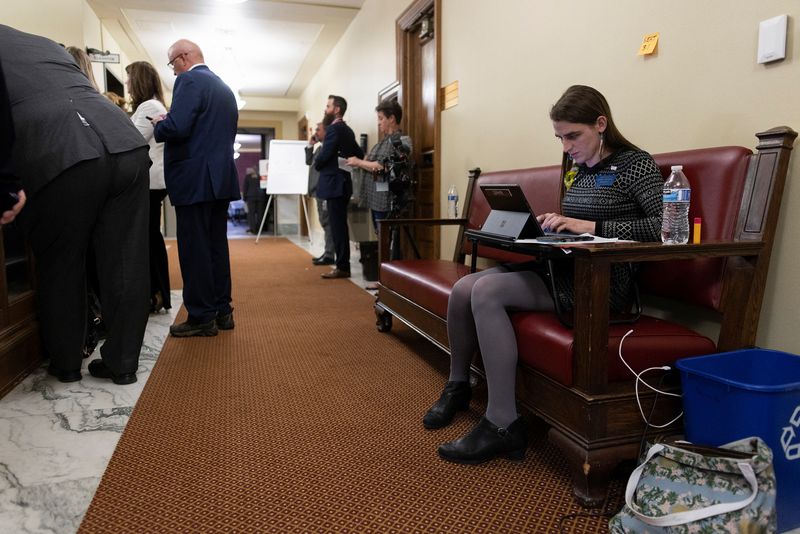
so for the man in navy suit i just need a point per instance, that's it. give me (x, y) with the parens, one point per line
(335, 185)
(199, 132)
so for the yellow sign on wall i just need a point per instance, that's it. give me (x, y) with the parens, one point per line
(450, 95)
(649, 43)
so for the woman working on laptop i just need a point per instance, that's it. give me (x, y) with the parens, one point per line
(616, 192)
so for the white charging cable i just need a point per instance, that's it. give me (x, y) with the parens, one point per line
(640, 379)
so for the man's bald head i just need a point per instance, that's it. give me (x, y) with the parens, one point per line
(183, 54)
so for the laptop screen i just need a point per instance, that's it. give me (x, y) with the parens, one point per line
(506, 197)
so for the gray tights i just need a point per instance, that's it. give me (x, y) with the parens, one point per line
(477, 318)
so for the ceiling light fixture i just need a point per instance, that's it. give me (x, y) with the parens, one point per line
(231, 1)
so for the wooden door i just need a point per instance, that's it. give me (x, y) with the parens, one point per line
(303, 129)
(418, 58)
(304, 203)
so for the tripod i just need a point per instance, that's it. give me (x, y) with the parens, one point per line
(399, 207)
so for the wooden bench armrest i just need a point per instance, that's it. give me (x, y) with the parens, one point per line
(592, 281)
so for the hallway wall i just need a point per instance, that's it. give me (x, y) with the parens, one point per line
(70, 22)
(361, 64)
(702, 88)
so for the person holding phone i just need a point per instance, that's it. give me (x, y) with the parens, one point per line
(616, 193)
(198, 134)
(147, 98)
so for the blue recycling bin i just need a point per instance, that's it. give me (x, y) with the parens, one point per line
(755, 392)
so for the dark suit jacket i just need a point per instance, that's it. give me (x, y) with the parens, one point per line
(340, 141)
(199, 133)
(313, 174)
(6, 132)
(56, 111)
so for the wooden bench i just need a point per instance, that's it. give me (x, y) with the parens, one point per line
(572, 378)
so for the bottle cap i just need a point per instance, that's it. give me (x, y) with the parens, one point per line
(698, 220)
(677, 167)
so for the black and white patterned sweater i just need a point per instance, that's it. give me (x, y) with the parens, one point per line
(622, 193)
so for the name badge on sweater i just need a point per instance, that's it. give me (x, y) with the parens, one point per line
(605, 180)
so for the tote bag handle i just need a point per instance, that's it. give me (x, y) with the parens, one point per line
(679, 518)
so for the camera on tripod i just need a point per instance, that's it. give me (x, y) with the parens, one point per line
(397, 172)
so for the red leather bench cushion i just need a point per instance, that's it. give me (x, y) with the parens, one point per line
(426, 282)
(547, 346)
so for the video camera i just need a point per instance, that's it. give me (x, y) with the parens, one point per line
(397, 170)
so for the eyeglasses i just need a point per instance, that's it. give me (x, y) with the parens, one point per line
(173, 60)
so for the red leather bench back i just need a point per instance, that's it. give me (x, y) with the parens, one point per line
(717, 176)
(542, 188)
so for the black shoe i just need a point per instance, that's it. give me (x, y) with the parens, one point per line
(225, 322)
(64, 376)
(487, 441)
(454, 398)
(98, 369)
(156, 302)
(323, 260)
(189, 329)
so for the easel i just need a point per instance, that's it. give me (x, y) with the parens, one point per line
(303, 201)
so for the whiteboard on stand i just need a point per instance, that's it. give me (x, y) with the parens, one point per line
(288, 172)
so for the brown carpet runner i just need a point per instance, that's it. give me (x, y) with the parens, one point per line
(306, 419)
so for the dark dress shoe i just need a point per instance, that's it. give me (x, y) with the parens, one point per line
(487, 441)
(64, 376)
(323, 260)
(156, 302)
(454, 398)
(190, 328)
(225, 322)
(98, 369)
(336, 273)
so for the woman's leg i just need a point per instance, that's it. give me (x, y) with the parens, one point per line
(463, 343)
(493, 298)
(461, 323)
(159, 264)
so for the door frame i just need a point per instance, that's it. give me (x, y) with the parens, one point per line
(405, 75)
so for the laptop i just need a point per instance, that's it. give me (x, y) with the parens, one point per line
(512, 217)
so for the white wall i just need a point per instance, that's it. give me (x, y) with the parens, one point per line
(361, 64)
(59, 20)
(69, 22)
(702, 88)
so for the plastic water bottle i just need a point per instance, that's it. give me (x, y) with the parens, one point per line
(677, 195)
(452, 202)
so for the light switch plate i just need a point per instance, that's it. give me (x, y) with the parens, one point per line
(772, 39)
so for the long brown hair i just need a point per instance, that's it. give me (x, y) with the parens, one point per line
(84, 63)
(582, 104)
(145, 83)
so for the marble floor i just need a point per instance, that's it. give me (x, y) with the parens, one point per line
(56, 439)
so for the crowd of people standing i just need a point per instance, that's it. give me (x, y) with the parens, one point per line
(88, 182)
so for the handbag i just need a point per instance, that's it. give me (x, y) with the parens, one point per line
(682, 488)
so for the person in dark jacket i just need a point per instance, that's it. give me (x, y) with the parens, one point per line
(335, 184)
(256, 199)
(329, 254)
(198, 135)
(84, 169)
